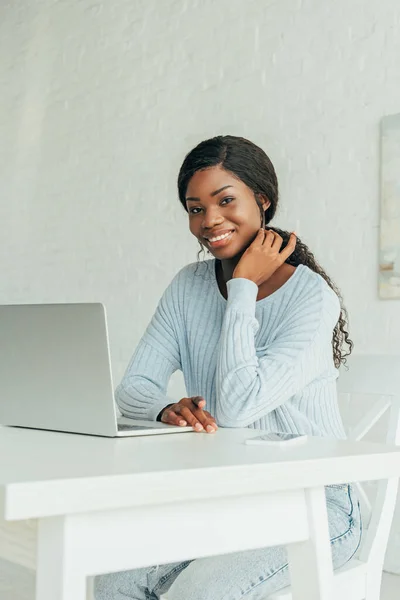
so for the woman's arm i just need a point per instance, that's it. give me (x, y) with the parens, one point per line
(142, 391)
(249, 387)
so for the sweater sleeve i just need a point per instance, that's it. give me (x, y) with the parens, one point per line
(142, 391)
(251, 383)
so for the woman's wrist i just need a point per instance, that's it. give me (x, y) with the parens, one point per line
(160, 414)
(242, 276)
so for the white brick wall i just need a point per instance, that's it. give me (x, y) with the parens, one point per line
(100, 101)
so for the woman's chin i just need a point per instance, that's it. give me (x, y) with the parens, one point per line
(226, 253)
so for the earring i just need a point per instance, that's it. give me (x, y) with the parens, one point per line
(262, 212)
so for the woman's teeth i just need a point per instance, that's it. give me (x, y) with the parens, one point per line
(220, 240)
(220, 237)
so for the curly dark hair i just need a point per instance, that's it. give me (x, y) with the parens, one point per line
(251, 165)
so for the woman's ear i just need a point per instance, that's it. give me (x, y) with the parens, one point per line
(265, 203)
(262, 201)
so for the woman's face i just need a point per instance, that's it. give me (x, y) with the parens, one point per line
(219, 205)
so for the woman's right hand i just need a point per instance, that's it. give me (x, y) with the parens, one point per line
(190, 411)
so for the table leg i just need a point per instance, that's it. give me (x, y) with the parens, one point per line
(310, 562)
(59, 574)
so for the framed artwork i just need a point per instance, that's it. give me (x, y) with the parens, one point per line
(389, 256)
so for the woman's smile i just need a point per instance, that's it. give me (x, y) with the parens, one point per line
(217, 241)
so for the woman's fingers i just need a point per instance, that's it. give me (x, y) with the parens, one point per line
(269, 238)
(259, 239)
(203, 416)
(198, 401)
(206, 420)
(172, 417)
(277, 243)
(189, 411)
(199, 419)
(290, 247)
(192, 420)
(274, 241)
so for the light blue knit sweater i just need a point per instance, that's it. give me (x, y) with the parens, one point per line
(265, 364)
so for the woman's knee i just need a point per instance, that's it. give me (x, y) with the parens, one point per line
(251, 574)
(105, 587)
(192, 585)
(121, 585)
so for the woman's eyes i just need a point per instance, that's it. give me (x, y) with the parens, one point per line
(197, 208)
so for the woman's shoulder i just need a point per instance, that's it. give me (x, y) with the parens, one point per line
(313, 289)
(189, 273)
(191, 279)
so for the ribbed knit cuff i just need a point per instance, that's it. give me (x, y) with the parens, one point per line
(242, 295)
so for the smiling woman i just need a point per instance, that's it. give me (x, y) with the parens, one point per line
(259, 343)
(226, 184)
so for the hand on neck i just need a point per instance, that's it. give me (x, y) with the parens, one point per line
(228, 266)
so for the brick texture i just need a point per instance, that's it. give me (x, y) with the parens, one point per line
(100, 101)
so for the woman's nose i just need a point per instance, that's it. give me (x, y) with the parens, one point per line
(211, 219)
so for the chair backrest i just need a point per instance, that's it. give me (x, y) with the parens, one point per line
(378, 378)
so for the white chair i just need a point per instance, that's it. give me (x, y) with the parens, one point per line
(376, 378)
(372, 377)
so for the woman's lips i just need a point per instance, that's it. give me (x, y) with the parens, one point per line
(222, 242)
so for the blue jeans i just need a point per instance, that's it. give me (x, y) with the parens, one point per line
(253, 574)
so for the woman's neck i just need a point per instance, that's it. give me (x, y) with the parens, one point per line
(225, 271)
(228, 266)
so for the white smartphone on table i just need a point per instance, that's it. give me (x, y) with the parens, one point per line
(278, 438)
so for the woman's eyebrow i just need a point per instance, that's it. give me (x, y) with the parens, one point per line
(192, 199)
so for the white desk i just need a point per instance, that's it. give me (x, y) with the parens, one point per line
(76, 506)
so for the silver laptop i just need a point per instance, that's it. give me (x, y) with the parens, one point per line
(55, 372)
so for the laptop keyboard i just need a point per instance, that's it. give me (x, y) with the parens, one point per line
(123, 427)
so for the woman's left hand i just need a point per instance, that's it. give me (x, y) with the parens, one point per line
(264, 256)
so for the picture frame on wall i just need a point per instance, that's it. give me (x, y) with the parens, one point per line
(389, 255)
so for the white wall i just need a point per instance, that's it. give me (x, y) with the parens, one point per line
(101, 100)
